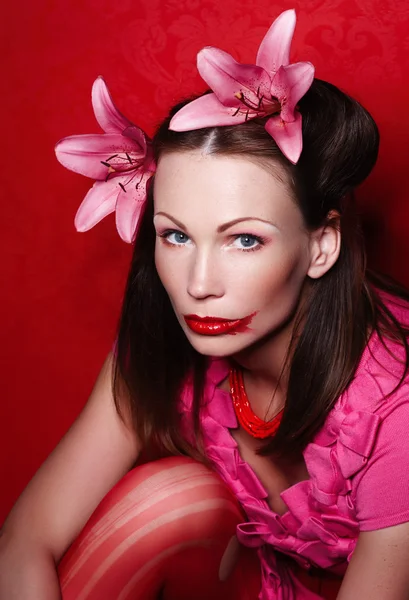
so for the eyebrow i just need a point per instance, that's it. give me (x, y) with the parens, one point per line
(221, 228)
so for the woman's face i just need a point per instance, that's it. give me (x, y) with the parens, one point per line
(231, 249)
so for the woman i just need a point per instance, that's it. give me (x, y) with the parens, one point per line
(252, 343)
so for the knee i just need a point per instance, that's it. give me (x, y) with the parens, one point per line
(180, 489)
(183, 486)
(158, 514)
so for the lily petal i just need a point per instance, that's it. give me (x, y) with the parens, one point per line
(106, 113)
(129, 208)
(290, 84)
(97, 204)
(83, 153)
(274, 50)
(205, 111)
(138, 136)
(288, 136)
(227, 77)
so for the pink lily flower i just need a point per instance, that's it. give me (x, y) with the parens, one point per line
(121, 161)
(241, 92)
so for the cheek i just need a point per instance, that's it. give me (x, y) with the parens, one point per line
(160, 265)
(169, 276)
(276, 279)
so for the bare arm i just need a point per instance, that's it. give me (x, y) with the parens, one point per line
(379, 568)
(94, 454)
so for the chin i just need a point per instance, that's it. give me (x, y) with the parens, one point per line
(219, 346)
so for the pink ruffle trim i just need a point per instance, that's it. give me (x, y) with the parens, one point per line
(319, 529)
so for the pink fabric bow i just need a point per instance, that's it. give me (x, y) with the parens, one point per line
(120, 160)
(241, 92)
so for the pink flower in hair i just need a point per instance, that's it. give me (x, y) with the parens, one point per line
(121, 161)
(241, 92)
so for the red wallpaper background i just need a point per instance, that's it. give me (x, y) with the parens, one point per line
(61, 291)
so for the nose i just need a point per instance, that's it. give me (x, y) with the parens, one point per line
(204, 277)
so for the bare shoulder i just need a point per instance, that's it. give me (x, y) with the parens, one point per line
(93, 455)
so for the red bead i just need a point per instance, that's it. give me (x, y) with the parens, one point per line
(246, 417)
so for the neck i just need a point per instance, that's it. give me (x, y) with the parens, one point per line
(266, 370)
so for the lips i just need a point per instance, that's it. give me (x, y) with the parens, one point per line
(217, 326)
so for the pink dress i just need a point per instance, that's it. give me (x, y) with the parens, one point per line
(358, 465)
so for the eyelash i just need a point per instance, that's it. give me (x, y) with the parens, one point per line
(260, 240)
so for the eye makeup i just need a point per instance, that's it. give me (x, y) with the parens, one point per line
(261, 241)
(184, 238)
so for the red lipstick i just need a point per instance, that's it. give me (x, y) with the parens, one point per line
(217, 326)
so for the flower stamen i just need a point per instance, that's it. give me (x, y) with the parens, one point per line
(139, 182)
(265, 106)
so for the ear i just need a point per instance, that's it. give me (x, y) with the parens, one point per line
(325, 245)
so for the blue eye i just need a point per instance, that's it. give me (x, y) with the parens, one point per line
(176, 237)
(248, 241)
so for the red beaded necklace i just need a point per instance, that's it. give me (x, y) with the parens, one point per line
(245, 415)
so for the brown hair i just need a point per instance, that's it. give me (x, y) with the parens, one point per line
(154, 358)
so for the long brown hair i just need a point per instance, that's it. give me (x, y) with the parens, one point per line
(154, 358)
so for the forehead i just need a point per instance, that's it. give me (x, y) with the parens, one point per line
(194, 184)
